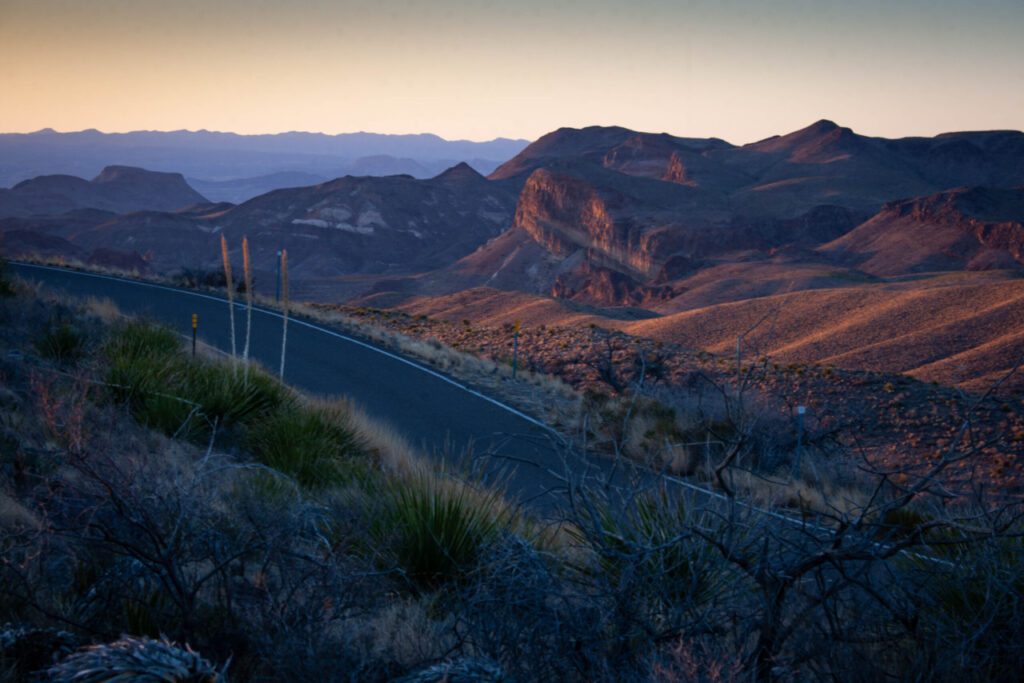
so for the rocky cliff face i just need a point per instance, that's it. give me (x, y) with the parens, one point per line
(675, 171)
(566, 214)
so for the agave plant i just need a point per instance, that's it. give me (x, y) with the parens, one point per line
(136, 659)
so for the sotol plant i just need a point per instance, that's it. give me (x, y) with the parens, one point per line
(284, 307)
(229, 285)
(247, 271)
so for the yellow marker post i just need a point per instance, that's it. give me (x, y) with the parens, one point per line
(195, 326)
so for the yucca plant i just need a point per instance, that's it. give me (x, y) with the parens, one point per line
(182, 397)
(313, 444)
(436, 530)
(143, 359)
(227, 397)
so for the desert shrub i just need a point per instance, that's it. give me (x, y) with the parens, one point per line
(195, 278)
(60, 342)
(973, 612)
(6, 288)
(436, 529)
(647, 540)
(525, 611)
(314, 444)
(656, 579)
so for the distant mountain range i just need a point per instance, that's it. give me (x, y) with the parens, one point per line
(697, 238)
(232, 167)
(117, 189)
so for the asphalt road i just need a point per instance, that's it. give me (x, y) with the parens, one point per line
(444, 418)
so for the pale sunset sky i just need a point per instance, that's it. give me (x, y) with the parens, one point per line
(740, 70)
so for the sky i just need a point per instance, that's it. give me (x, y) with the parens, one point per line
(479, 69)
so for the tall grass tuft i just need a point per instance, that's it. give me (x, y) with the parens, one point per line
(247, 273)
(284, 308)
(436, 529)
(312, 443)
(229, 284)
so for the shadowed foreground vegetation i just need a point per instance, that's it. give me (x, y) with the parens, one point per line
(147, 498)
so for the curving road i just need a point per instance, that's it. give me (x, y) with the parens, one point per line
(445, 418)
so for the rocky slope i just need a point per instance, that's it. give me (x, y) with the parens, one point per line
(623, 217)
(348, 226)
(961, 229)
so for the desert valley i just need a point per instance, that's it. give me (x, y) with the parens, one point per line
(479, 342)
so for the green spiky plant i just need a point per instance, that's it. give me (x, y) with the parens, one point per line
(436, 530)
(181, 397)
(314, 444)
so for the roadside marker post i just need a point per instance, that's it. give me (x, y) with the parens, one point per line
(277, 291)
(195, 326)
(515, 348)
(800, 412)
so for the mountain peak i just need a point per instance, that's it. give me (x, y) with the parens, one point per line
(112, 174)
(460, 171)
(823, 126)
